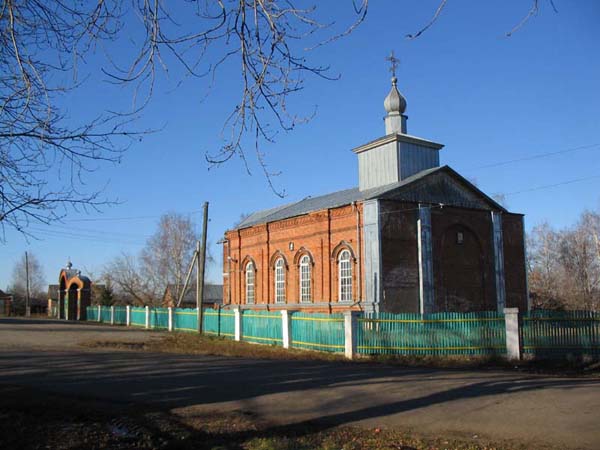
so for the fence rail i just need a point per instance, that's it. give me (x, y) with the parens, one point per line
(537, 333)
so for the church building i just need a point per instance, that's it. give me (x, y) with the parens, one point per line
(413, 237)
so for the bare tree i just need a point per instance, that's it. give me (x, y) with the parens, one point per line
(580, 259)
(130, 286)
(164, 261)
(43, 152)
(534, 9)
(168, 253)
(37, 279)
(46, 43)
(564, 265)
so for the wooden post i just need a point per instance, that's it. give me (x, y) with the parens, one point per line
(27, 299)
(201, 255)
(112, 315)
(99, 313)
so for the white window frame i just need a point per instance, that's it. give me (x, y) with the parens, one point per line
(345, 276)
(250, 286)
(279, 280)
(305, 282)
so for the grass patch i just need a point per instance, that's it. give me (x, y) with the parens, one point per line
(192, 343)
(42, 420)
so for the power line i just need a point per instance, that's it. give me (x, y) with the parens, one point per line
(93, 231)
(102, 219)
(548, 186)
(536, 156)
(81, 237)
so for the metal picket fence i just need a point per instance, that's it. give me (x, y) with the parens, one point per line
(481, 333)
(185, 319)
(315, 331)
(218, 322)
(560, 333)
(540, 333)
(137, 317)
(262, 327)
(120, 316)
(159, 318)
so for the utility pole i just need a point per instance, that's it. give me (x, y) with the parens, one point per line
(27, 307)
(201, 255)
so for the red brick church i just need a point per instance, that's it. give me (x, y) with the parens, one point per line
(414, 237)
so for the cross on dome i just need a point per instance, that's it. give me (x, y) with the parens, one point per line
(394, 62)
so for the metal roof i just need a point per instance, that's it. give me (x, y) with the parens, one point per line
(333, 200)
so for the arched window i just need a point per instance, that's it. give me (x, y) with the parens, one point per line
(305, 291)
(280, 281)
(345, 276)
(250, 282)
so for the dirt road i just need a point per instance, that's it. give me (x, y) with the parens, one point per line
(534, 410)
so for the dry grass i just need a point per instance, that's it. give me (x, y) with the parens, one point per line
(190, 343)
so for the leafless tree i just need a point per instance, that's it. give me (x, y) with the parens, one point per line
(45, 43)
(163, 261)
(37, 279)
(125, 276)
(564, 266)
(43, 152)
(534, 9)
(168, 253)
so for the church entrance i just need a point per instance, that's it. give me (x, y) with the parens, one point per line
(461, 271)
(72, 302)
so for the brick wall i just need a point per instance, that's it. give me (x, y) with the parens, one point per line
(321, 235)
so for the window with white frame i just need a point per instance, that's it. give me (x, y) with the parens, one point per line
(305, 293)
(280, 281)
(250, 282)
(345, 276)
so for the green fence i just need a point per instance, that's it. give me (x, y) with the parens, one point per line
(560, 333)
(541, 333)
(185, 319)
(120, 315)
(159, 318)
(92, 313)
(138, 317)
(262, 327)
(218, 322)
(481, 333)
(323, 332)
(105, 314)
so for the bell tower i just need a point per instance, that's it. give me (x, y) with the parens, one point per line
(397, 155)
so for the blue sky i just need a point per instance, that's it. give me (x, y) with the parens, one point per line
(490, 99)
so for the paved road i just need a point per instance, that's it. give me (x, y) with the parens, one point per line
(563, 412)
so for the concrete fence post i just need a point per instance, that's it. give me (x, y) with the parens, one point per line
(170, 318)
(350, 326)
(238, 324)
(112, 315)
(99, 313)
(147, 317)
(128, 315)
(511, 320)
(286, 328)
